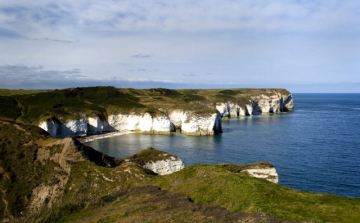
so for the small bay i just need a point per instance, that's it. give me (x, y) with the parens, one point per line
(315, 148)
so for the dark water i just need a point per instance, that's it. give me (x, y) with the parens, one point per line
(315, 148)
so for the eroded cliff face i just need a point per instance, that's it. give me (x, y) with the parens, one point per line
(144, 123)
(59, 129)
(190, 122)
(268, 104)
(288, 102)
(95, 125)
(230, 109)
(257, 105)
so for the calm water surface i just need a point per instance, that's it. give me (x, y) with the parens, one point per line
(315, 148)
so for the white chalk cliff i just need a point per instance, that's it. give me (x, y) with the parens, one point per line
(58, 129)
(190, 122)
(144, 123)
(257, 105)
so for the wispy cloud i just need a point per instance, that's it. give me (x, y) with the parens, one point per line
(61, 41)
(25, 77)
(74, 71)
(253, 41)
(162, 15)
(142, 56)
(141, 69)
(14, 75)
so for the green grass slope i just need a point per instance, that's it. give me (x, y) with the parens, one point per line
(150, 204)
(212, 184)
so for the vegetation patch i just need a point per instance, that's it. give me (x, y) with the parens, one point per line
(18, 161)
(150, 204)
(7, 92)
(9, 108)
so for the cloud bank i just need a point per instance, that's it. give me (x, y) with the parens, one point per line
(252, 43)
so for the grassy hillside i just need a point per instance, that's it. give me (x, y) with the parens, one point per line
(35, 106)
(151, 204)
(59, 180)
(31, 158)
(7, 92)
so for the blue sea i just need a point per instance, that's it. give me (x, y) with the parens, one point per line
(315, 148)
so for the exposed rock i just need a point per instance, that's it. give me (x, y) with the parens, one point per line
(248, 110)
(266, 104)
(224, 109)
(177, 117)
(230, 109)
(95, 125)
(145, 123)
(271, 104)
(261, 170)
(163, 167)
(288, 102)
(158, 161)
(257, 105)
(267, 173)
(70, 151)
(61, 130)
(198, 124)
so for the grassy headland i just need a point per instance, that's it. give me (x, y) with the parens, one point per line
(34, 106)
(60, 180)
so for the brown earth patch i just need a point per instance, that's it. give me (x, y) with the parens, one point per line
(163, 206)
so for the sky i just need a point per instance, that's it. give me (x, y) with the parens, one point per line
(305, 46)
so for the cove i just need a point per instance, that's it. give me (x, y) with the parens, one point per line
(315, 148)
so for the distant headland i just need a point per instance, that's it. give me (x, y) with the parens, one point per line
(97, 110)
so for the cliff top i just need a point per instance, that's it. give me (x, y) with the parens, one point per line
(76, 103)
